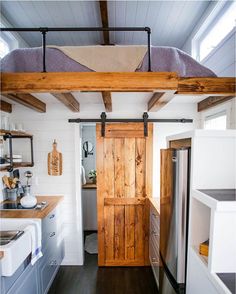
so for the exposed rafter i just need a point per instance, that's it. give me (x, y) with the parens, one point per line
(28, 100)
(68, 100)
(159, 100)
(5, 106)
(105, 22)
(106, 97)
(212, 101)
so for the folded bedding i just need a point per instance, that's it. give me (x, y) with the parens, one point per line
(164, 59)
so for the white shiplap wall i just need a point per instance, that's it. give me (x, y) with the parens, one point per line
(53, 124)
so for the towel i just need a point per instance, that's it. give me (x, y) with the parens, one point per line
(36, 249)
(83, 178)
(106, 58)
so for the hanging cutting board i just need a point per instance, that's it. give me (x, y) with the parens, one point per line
(55, 161)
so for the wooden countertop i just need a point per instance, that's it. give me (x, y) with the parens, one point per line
(155, 203)
(89, 186)
(52, 202)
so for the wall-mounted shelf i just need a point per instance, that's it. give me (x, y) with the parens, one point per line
(10, 135)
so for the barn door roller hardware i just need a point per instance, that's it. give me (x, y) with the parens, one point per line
(145, 120)
(44, 30)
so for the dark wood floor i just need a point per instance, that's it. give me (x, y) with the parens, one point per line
(89, 279)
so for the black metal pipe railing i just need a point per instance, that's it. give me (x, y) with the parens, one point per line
(44, 30)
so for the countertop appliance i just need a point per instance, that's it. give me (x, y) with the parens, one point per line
(174, 221)
(18, 206)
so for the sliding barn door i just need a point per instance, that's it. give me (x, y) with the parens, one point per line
(124, 181)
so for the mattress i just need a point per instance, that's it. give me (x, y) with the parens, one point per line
(164, 59)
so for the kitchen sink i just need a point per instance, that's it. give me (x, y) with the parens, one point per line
(8, 236)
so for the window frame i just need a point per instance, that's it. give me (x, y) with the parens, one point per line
(225, 107)
(217, 12)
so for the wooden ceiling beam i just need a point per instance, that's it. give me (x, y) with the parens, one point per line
(105, 22)
(68, 100)
(5, 106)
(61, 82)
(28, 101)
(199, 86)
(212, 101)
(106, 97)
(159, 100)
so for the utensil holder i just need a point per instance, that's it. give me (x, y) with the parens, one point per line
(12, 194)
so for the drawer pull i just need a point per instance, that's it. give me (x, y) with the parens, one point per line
(154, 259)
(53, 262)
(52, 234)
(154, 215)
(52, 216)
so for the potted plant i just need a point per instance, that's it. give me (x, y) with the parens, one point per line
(93, 176)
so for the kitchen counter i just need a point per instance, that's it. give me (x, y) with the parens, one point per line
(89, 186)
(52, 202)
(155, 202)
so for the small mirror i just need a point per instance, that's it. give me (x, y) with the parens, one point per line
(88, 148)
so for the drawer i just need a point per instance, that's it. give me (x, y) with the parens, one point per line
(49, 265)
(49, 223)
(154, 260)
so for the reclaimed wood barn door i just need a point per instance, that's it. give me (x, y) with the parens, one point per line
(124, 182)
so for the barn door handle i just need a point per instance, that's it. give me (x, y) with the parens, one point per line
(103, 118)
(145, 124)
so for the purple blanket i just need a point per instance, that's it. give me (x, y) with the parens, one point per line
(164, 59)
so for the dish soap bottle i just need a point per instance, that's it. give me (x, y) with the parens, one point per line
(28, 201)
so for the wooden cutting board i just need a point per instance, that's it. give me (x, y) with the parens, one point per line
(55, 161)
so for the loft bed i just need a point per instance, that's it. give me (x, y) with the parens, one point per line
(186, 77)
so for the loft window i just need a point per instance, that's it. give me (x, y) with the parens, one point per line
(216, 121)
(219, 24)
(4, 47)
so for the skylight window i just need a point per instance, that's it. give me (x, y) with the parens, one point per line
(219, 29)
(4, 47)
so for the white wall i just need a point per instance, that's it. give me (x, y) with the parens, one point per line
(54, 125)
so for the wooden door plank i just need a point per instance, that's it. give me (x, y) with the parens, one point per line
(212, 101)
(129, 167)
(100, 193)
(119, 246)
(159, 100)
(5, 106)
(125, 201)
(140, 167)
(129, 232)
(109, 193)
(139, 232)
(107, 101)
(28, 100)
(68, 100)
(61, 82)
(119, 174)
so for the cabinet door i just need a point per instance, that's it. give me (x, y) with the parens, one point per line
(27, 282)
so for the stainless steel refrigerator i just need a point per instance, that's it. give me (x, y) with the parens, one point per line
(174, 220)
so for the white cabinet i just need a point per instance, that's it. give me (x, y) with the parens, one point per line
(213, 157)
(89, 198)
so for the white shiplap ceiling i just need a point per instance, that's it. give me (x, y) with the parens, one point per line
(171, 21)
